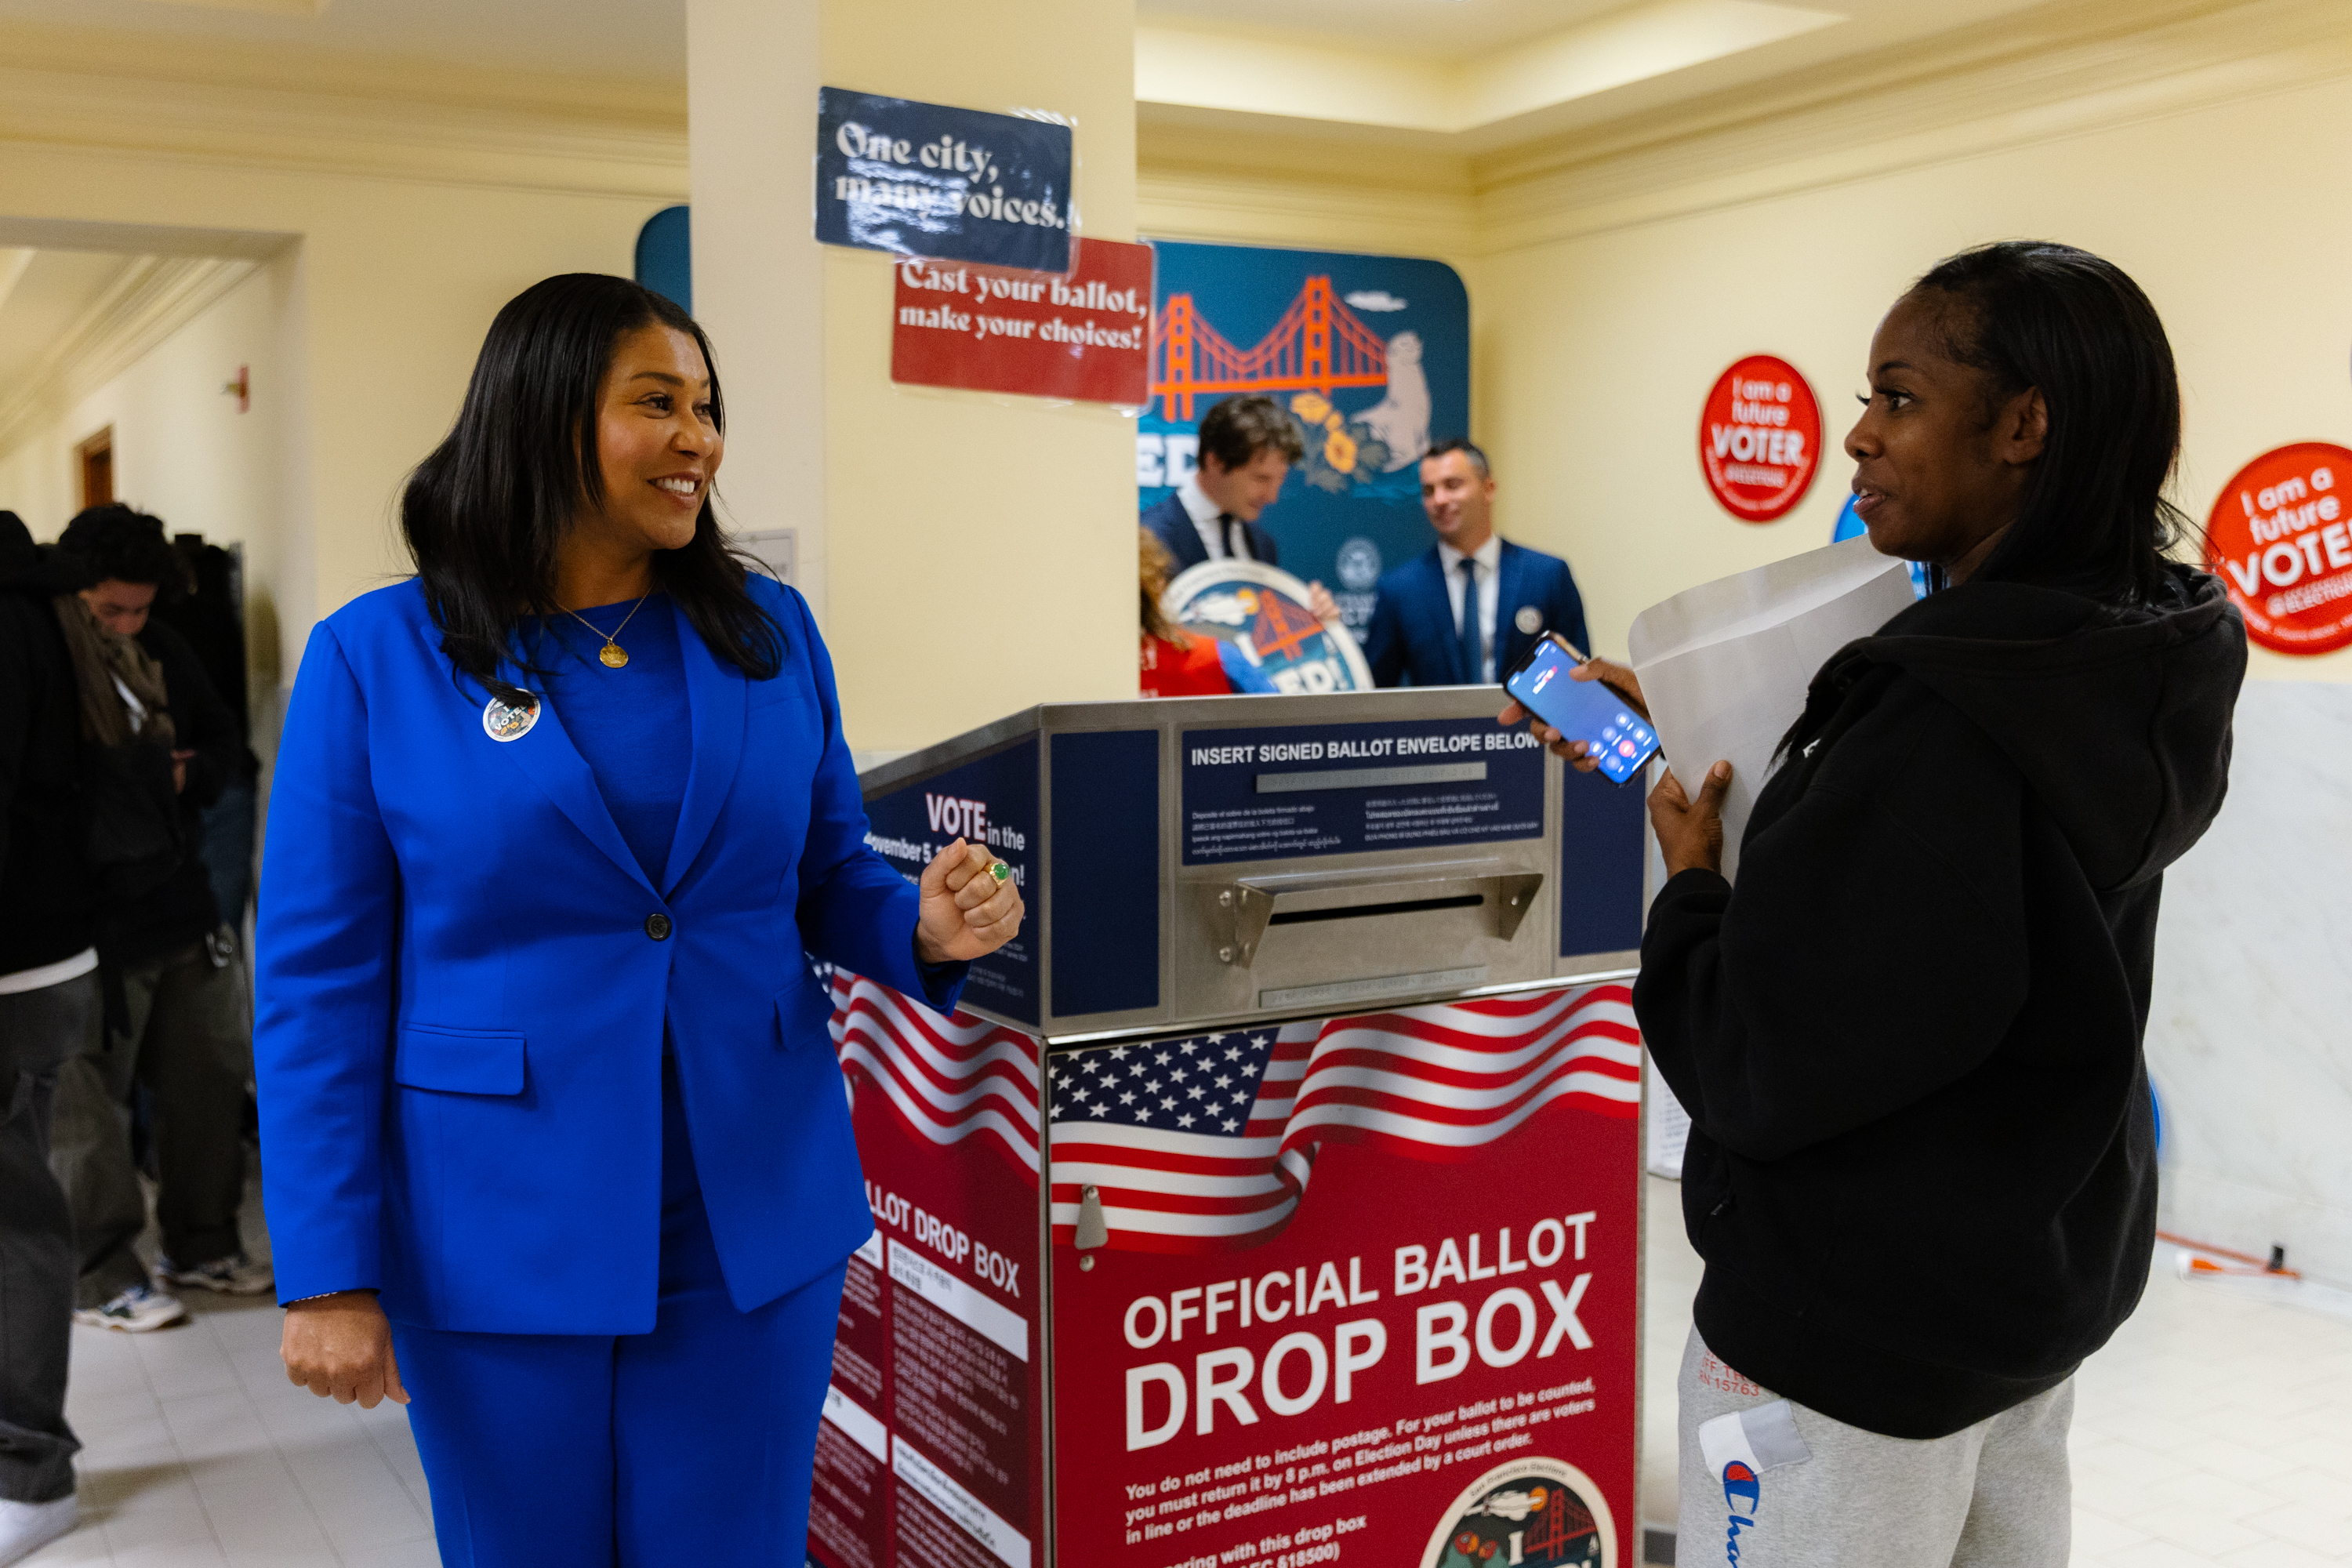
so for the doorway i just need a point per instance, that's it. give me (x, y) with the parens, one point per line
(97, 456)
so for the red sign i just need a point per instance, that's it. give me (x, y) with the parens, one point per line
(1407, 1341)
(2278, 539)
(1759, 439)
(992, 329)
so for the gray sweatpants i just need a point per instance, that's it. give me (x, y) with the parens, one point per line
(1766, 1483)
(191, 1040)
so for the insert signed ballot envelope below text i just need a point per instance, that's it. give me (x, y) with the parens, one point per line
(1725, 665)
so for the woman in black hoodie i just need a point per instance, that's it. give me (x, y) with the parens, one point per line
(1921, 1168)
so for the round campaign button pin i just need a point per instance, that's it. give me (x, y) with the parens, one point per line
(1759, 438)
(501, 722)
(1529, 619)
(2278, 539)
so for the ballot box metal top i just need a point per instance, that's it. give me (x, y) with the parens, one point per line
(1231, 860)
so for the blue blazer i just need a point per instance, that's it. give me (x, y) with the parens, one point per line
(1412, 638)
(1173, 525)
(463, 995)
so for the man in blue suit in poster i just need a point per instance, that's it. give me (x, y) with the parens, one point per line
(1464, 612)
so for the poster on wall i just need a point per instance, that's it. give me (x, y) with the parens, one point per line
(1759, 438)
(1371, 354)
(2277, 539)
(924, 179)
(1086, 336)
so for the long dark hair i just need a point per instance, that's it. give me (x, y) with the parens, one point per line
(2039, 314)
(483, 515)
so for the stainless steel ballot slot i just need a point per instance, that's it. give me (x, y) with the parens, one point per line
(1236, 859)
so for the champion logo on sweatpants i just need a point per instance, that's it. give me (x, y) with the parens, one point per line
(1740, 1447)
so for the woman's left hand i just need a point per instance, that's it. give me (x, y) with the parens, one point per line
(1690, 832)
(966, 912)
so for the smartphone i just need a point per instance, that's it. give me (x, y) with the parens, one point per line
(1581, 710)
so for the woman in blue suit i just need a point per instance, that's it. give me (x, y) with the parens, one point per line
(553, 1134)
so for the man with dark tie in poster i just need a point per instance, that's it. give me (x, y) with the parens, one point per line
(1463, 613)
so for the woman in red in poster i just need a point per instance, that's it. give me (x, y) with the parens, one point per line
(1174, 665)
(1922, 1161)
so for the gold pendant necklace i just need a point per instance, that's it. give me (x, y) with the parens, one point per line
(613, 655)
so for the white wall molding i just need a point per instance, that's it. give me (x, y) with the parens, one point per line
(150, 299)
(335, 114)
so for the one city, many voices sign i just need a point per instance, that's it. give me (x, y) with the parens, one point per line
(955, 185)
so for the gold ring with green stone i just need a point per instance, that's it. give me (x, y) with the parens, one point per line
(1000, 870)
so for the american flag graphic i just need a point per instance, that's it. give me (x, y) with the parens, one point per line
(949, 1079)
(1205, 1144)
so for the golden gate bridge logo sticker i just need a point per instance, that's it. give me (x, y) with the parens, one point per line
(1536, 1511)
(1319, 347)
(1262, 611)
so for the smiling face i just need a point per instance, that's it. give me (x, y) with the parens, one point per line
(657, 443)
(1941, 460)
(1459, 503)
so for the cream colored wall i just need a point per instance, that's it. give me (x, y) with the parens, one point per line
(391, 280)
(969, 554)
(1597, 352)
(983, 548)
(1593, 353)
(184, 452)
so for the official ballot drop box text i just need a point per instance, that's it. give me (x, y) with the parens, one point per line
(1274, 1199)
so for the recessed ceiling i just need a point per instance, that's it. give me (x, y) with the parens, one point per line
(643, 38)
(1475, 76)
(1432, 29)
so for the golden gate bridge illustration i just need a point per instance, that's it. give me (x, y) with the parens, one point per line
(1320, 345)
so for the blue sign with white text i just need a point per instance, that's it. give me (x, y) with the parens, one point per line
(922, 179)
(1339, 789)
(991, 800)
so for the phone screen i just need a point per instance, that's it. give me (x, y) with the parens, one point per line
(1583, 710)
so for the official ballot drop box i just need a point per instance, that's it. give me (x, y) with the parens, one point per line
(1274, 1197)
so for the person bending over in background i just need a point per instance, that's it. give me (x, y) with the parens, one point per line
(1463, 613)
(1922, 1159)
(177, 1003)
(552, 1128)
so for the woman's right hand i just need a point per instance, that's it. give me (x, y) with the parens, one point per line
(1580, 755)
(340, 1348)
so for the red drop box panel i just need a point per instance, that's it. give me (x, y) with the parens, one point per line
(1354, 1291)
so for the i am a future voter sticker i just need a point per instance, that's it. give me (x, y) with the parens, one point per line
(2280, 540)
(1759, 438)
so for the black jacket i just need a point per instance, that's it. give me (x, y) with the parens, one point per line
(181, 911)
(46, 911)
(1922, 1162)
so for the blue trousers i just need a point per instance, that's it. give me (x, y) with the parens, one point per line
(690, 1444)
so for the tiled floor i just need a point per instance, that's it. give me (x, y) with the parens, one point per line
(2215, 1428)
(199, 1454)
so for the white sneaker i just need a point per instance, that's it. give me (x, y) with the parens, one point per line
(232, 1275)
(135, 1311)
(26, 1527)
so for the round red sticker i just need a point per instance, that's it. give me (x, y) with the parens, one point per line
(1759, 439)
(2278, 539)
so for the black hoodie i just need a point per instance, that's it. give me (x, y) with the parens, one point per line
(47, 910)
(1922, 1164)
